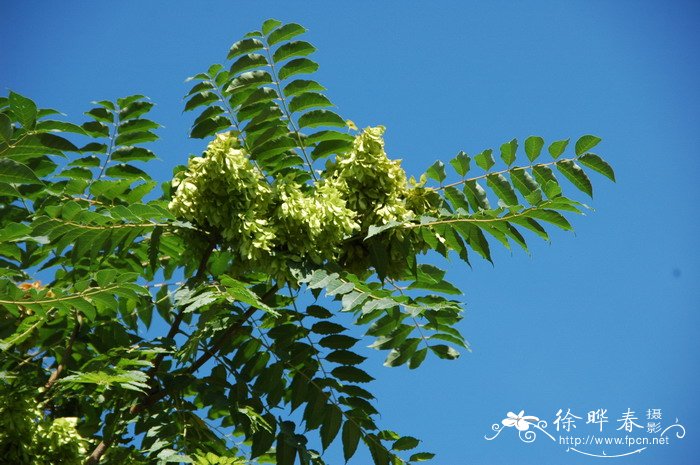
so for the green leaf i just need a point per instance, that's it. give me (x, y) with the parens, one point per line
(328, 135)
(13, 172)
(417, 358)
(209, 127)
(476, 195)
(134, 110)
(502, 188)
(526, 185)
(244, 46)
(270, 25)
(207, 113)
(558, 147)
(58, 126)
(301, 86)
(576, 175)
(135, 138)
(5, 128)
(485, 160)
(247, 62)
(201, 86)
(402, 354)
(129, 153)
(315, 409)
(508, 151)
(96, 129)
(297, 66)
(274, 148)
(298, 48)
(249, 112)
(202, 98)
(475, 238)
(351, 374)
(461, 163)
(308, 100)
(585, 143)
(331, 425)
(444, 351)
(261, 95)
(76, 173)
(284, 452)
(596, 163)
(456, 198)
(329, 147)
(249, 79)
(122, 102)
(262, 443)
(24, 109)
(338, 341)
(345, 357)
(53, 141)
(380, 456)
(285, 32)
(101, 114)
(437, 171)
(551, 216)
(315, 118)
(327, 327)
(240, 292)
(533, 147)
(137, 125)
(406, 443)
(421, 457)
(532, 225)
(124, 171)
(545, 178)
(353, 300)
(351, 438)
(430, 278)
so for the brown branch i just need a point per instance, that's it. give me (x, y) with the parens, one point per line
(155, 394)
(175, 326)
(225, 336)
(158, 394)
(66, 353)
(96, 455)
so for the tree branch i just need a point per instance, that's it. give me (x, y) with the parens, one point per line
(175, 326)
(66, 353)
(158, 394)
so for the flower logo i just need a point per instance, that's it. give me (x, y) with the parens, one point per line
(520, 421)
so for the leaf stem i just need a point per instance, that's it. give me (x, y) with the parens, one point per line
(234, 122)
(110, 151)
(508, 170)
(276, 79)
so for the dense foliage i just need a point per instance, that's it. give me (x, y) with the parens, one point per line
(199, 323)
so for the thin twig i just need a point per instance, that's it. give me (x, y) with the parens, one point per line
(66, 353)
(102, 447)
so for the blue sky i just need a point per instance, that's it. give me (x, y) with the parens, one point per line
(608, 317)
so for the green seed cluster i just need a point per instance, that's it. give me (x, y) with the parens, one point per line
(268, 223)
(29, 437)
(374, 186)
(223, 191)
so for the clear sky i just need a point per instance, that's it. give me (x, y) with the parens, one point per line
(608, 317)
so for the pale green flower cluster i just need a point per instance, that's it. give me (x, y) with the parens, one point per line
(270, 223)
